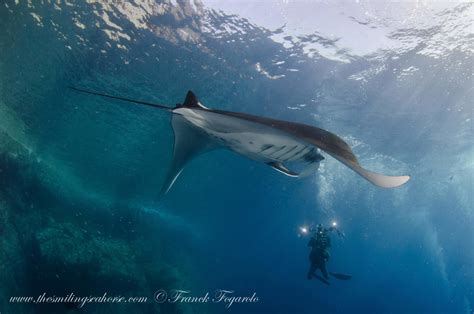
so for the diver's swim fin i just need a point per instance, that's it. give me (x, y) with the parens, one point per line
(340, 276)
(321, 279)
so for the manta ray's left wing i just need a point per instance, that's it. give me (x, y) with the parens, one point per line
(189, 142)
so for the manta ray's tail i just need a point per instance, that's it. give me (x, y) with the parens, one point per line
(122, 98)
(189, 142)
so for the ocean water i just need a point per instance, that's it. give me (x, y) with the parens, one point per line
(80, 210)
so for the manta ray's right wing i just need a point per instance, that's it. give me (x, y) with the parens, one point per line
(338, 148)
(377, 179)
(324, 140)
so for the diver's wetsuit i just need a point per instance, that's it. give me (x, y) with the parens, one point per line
(319, 254)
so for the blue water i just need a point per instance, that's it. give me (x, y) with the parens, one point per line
(80, 175)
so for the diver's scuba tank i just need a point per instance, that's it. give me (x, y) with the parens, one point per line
(340, 233)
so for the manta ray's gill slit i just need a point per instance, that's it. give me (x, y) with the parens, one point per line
(265, 147)
(298, 154)
(281, 157)
(278, 150)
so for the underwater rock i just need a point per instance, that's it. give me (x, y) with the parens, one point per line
(72, 246)
(53, 242)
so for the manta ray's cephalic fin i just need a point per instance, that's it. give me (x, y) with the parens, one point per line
(278, 166)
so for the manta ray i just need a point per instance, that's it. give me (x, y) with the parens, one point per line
(276, 143)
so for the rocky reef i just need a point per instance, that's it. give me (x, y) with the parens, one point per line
(58, 243)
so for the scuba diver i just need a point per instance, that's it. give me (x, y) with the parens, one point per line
(320, 243)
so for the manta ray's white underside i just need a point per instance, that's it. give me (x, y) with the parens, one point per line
(252, 140)
(198, 129)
